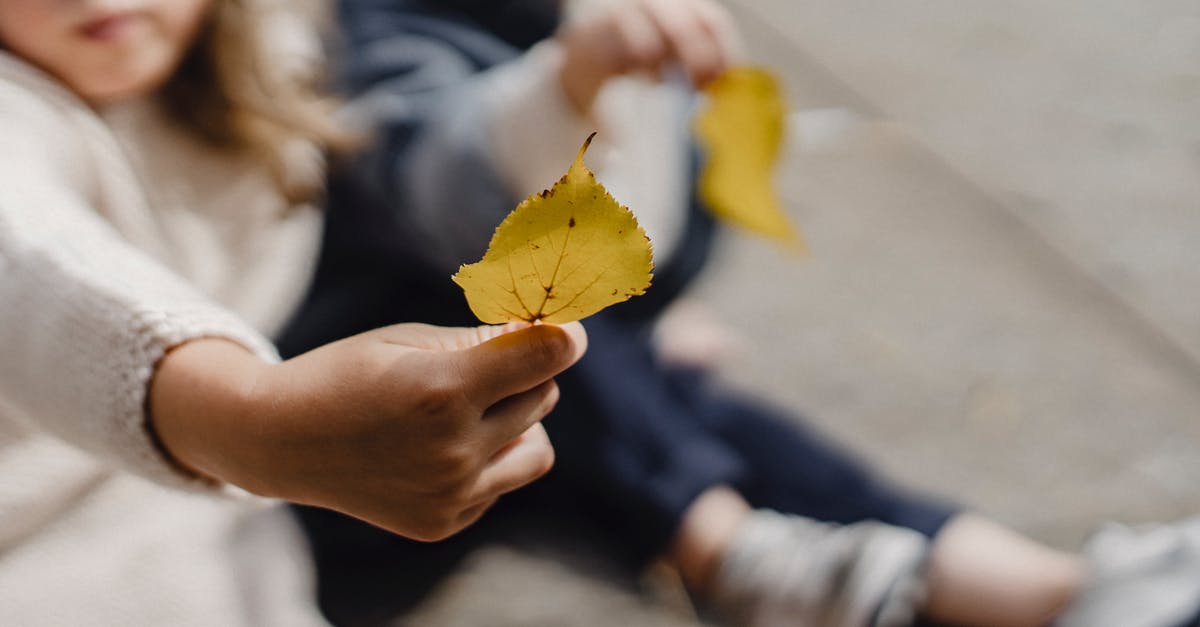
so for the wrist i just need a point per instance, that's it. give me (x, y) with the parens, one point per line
(199, 408)
(580, 88)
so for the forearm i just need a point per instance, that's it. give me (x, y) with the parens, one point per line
(442, 103)
(199, 408)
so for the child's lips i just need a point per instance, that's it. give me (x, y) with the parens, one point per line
(109, 28)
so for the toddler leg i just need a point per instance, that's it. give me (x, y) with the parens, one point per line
(981, 573)
(762, 568)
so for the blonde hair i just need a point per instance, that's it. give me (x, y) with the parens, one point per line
(252, 82)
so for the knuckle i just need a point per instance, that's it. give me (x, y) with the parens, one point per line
(454, 469)
(439, 396)
(456, 472)
(457, 494)
(648, 54)
(435, 529)
(446, 523)
(421, 533)
(437, 521)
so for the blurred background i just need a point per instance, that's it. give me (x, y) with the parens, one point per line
(1002, 300)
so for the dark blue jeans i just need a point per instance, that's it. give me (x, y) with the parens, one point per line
(636, 441)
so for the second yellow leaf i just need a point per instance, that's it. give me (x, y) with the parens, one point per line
(741, 128)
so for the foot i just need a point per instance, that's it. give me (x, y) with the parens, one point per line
(789, 570)
(1140, 577)
(689, 335)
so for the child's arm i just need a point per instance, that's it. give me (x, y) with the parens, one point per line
(457, 114)
(416, 429)
(408, 427)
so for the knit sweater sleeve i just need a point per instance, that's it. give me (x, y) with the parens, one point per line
(84, 316)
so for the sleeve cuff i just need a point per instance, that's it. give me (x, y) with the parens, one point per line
(135, 441)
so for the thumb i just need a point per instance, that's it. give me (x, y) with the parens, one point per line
(519, 360)
(441, 339)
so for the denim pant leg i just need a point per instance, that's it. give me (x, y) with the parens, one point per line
(644, 441)
(793, 469)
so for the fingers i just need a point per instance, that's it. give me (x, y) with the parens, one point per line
(642, 42)
(717, 21)
(513, 416)
(521, 462)
(527, 458)
(518, 361)
(697, 47)
(429, 337)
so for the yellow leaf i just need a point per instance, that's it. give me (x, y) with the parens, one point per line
(741, 129)
(561, 255)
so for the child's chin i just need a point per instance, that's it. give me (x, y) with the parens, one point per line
(120, 88)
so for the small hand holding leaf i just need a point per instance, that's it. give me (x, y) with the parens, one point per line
(561, 255)
(741, 130)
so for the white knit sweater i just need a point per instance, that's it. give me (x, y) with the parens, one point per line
(121, 236)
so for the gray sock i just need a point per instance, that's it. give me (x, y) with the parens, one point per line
(1139, 577)
(792, 571)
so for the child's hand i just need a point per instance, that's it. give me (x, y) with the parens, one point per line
(643, 36)
(414, 428)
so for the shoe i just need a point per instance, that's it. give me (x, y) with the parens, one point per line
(1139, 577)
(792, 571)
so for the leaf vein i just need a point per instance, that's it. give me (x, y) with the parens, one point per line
(554, 276)
(581, 292)
(529, 315)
